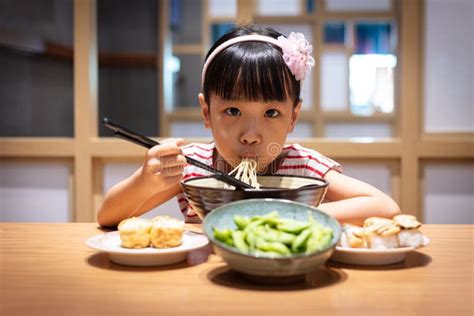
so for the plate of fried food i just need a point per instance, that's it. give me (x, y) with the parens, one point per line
(148, 242)
(380, 241)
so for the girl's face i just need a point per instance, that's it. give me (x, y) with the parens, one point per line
(243, 129)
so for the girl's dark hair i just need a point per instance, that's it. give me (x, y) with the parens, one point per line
(250, 71)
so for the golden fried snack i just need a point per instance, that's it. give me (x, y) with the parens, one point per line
(135, 232)
(381, 233)
(166, 232)
(406, 221)
(381, 226)
(353, 236)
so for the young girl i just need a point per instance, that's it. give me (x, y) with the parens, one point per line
(250, 100)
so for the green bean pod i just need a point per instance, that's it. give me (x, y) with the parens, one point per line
(239, 240)
(222, 234)
(271, 234)
(299, 244)
(292, 226)
(241, 221)
(277, 247)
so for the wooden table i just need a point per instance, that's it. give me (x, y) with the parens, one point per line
(48, 269)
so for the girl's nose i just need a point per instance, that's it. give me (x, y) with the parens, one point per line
(250, 137)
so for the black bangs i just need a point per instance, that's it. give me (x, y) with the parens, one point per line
(250, 71)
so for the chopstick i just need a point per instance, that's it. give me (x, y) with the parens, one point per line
(126, 134)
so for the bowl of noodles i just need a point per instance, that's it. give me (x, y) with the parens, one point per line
(207, 193)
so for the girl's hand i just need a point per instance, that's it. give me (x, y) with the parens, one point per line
(164, 164)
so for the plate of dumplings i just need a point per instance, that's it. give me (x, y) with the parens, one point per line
(148, 242)
(380, 241)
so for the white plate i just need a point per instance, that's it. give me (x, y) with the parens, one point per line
(110, 243)
(372, 257)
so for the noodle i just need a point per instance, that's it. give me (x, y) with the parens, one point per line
(246, 172)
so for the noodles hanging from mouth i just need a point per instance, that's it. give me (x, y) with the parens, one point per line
(246, 172)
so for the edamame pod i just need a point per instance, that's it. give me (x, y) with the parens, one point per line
(271, 234)
(239, 240)
(222, 234)
(299, 244)
(273, 247)
(292, 226)
(241, 221)
(312, 244)
(250, 238)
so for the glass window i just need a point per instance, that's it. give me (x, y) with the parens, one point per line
(279, 7)
(302, 130)
(36, 53)
(310, 6)
(371, 81)
(128, 41)
(219, 29)
(373, 38)
(35, 190)
(449, 193)
(334, 82)
(128, 96)
(448, 67)
(222, 8)
(358, 130)
(359, 5)
(189, 129)
(186, 81)
(185, 21)
(372, 67)
(334, 33)
(115, 172)
(377, 174)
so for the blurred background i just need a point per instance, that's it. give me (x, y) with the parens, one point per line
(390, 98)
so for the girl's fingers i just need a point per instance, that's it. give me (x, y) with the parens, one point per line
(167, 147)
(178, 141)
(167, 158)
(173, 161)
(172, 167)
(172, 180)
(154, 165)
(172, 172)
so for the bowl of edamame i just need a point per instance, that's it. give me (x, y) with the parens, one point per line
(272, 238)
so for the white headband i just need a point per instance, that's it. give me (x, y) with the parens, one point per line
(296, 52)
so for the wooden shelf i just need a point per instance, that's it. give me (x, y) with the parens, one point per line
(64, 53)
(36, 147)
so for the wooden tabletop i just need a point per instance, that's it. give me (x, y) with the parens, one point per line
(48, 269)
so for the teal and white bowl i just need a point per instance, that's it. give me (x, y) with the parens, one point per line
(274, 267)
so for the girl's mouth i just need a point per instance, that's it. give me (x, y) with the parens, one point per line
(249, 154)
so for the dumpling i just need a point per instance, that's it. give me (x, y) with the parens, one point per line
(166, 232)
(135, 232)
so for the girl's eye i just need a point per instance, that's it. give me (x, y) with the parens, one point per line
(232, 111)
(272, 113)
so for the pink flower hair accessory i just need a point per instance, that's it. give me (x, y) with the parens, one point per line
(297, 54)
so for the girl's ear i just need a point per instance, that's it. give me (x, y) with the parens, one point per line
(204, 111)
(294, 116)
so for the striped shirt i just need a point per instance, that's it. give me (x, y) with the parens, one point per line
(300, 161)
